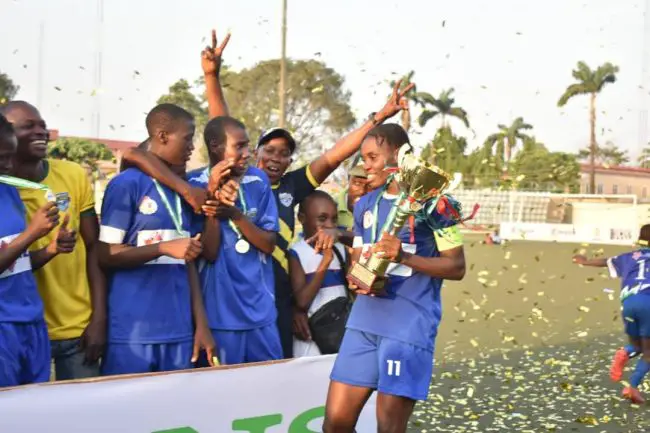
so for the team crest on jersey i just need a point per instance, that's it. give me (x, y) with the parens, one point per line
(155, 238)
(286, 199)
(148, 206)
(251, 213)
(636, 255)
(367, 219)
(63, 201)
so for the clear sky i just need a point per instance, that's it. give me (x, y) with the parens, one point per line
(505, 58)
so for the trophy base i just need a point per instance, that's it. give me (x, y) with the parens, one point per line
(366, 280)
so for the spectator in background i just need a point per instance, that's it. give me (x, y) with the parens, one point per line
(357, 182)
(493, 238)
(72, 286)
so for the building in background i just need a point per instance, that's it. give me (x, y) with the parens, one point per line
(617, 180)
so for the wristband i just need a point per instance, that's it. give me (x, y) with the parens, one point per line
(373, 119)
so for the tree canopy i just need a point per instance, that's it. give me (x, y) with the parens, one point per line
(8, 89)
(80, 151)
(318, 109)
(442, 106)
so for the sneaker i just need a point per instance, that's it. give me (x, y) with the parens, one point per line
(633, 395)
(618, 364)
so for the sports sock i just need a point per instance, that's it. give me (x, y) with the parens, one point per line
(642, 368)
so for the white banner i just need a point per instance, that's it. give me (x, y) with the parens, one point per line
(568, 233)
(265, 398)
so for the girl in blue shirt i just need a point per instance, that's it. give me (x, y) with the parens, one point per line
(389, 342)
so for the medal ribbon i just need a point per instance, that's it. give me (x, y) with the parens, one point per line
(176, 216)
(375, 212)
(242, 200)
(22, 183)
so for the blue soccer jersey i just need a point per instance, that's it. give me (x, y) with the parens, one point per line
(238, 289)
(632, 269)
(19, 298)
(148, 304)
(411, 310)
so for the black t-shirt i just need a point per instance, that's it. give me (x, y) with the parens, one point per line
(289, 192)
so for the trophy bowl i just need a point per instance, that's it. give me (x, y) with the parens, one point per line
(419, 182)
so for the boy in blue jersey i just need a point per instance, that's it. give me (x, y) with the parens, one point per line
(389, 342)
(155, 306)
(634, 271)
(237, 278)
(24, 343)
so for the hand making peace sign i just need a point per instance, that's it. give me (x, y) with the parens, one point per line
(396, 103)
(211, 56)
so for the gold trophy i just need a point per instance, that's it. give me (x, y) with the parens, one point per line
(419, 182)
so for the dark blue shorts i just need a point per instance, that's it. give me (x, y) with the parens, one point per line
(24, 353)
(240, 347)
(131, 358)
(636, 316)
(389, 366)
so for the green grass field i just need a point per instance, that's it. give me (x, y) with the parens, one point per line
(525, 345)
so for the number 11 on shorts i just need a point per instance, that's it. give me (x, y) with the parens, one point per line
(393, 367)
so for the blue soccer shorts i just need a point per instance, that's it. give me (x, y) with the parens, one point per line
(389, 366)
(255, 345)
(132, 358)
(24, 353)
(636, 316)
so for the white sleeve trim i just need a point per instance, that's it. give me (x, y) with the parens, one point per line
(612, 268)
(357, 242)
(111, 235)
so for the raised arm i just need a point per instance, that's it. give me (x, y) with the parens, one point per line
(322, 167)
(154, 167)
(211, 64)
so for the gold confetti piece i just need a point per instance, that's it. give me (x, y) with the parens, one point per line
(318, 89)
(583, 309)
(473, 342)
(583, 334)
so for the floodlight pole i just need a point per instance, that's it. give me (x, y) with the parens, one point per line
(283, 68)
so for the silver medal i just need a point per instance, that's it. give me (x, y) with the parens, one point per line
(242, 246)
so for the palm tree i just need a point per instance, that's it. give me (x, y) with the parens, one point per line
(644, 158)
(411, 96)
(443, 106)
(590, 82)
(506, 140)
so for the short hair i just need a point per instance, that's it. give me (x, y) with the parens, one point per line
(166, 117)
(644, 234)
(144, 146)
(6, 128)
(10, 105)
(302, 208)
(390, 133)
(214, 133)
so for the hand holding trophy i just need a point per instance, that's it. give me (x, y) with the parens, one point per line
(419, 183)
